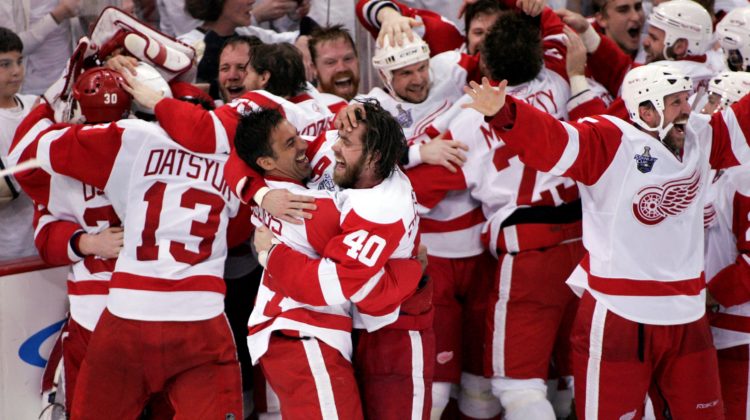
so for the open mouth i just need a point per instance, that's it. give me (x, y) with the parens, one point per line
(634, 32)
(235, 90)
(343, 82)
(302, 159)
(680, 126)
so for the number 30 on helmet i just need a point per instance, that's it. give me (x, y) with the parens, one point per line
(101, 97)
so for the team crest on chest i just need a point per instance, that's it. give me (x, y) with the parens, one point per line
(655, 203)
(644, 162)
(404, 117)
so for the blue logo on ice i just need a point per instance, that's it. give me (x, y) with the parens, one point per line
(29, 350)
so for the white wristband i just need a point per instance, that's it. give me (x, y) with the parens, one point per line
(260, 194)
(591, 39)
(578, 84)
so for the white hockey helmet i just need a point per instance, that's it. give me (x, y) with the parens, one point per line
(387, 58)
(683, 19)
(148, 75)
(731, 86)
(734, 33)
(652, 82)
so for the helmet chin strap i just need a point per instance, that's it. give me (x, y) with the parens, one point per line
(661, 132)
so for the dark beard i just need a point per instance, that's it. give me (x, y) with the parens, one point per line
(351, 175)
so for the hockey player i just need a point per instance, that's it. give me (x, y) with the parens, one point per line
(733, 33)
(336, 63)
(75, 223)
(166, 293)
(640, 321)
(365, 170)
(284, 313)
(622, 21)
(680, 34)
(727, 261)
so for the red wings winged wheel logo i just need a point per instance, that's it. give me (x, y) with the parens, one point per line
(655, 203)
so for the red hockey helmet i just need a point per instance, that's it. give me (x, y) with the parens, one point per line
(100, 95)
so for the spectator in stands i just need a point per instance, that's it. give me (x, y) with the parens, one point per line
(48, 34)
(233, 59)
(16, 210)
(621, 20)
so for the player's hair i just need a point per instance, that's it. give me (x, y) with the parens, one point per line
(328, 33)
(9, 41)
(251, 41)
(481, 7)
(383, 137)
(513, 49)
(206, 10)
(598, 6)
(253, 136)
(284, 63)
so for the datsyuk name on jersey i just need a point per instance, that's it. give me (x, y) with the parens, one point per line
(180, 163)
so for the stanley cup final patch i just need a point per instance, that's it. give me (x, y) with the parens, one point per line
(644, 162)
(404, 117)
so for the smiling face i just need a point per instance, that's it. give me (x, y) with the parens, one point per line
(676, 112)
(338, 68)
(352, 168)
(412, 83)
(232, 63)
(11, 76)
(653, 44)
(289, 159)
(478, 29)
(622, 21)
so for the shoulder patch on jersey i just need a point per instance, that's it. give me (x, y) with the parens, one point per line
(388, 202)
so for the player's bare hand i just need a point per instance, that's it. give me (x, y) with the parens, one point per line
(303, 9)
(144, 95)
(463, 7)
(487, 99)
(105, 244)
(273, 9)
(288, 207)
(531, 7)
(348, 116)
(66, 9)
(122, 63)
(394, 27)
(263, 239)
(575, 58)
(574, 20)
(422, 256)
(302, 45)
(447, 153)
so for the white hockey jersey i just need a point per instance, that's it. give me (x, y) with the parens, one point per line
(61, 198)
(448, 76)
(174, 204)
(642, 207)
(209, 131)
(728, 258)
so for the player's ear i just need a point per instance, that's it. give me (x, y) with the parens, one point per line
(266, 162)
(680, 47)
(264, 78)
(648, 114)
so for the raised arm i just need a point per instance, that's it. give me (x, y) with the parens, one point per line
(730, 143)
(581, 151)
